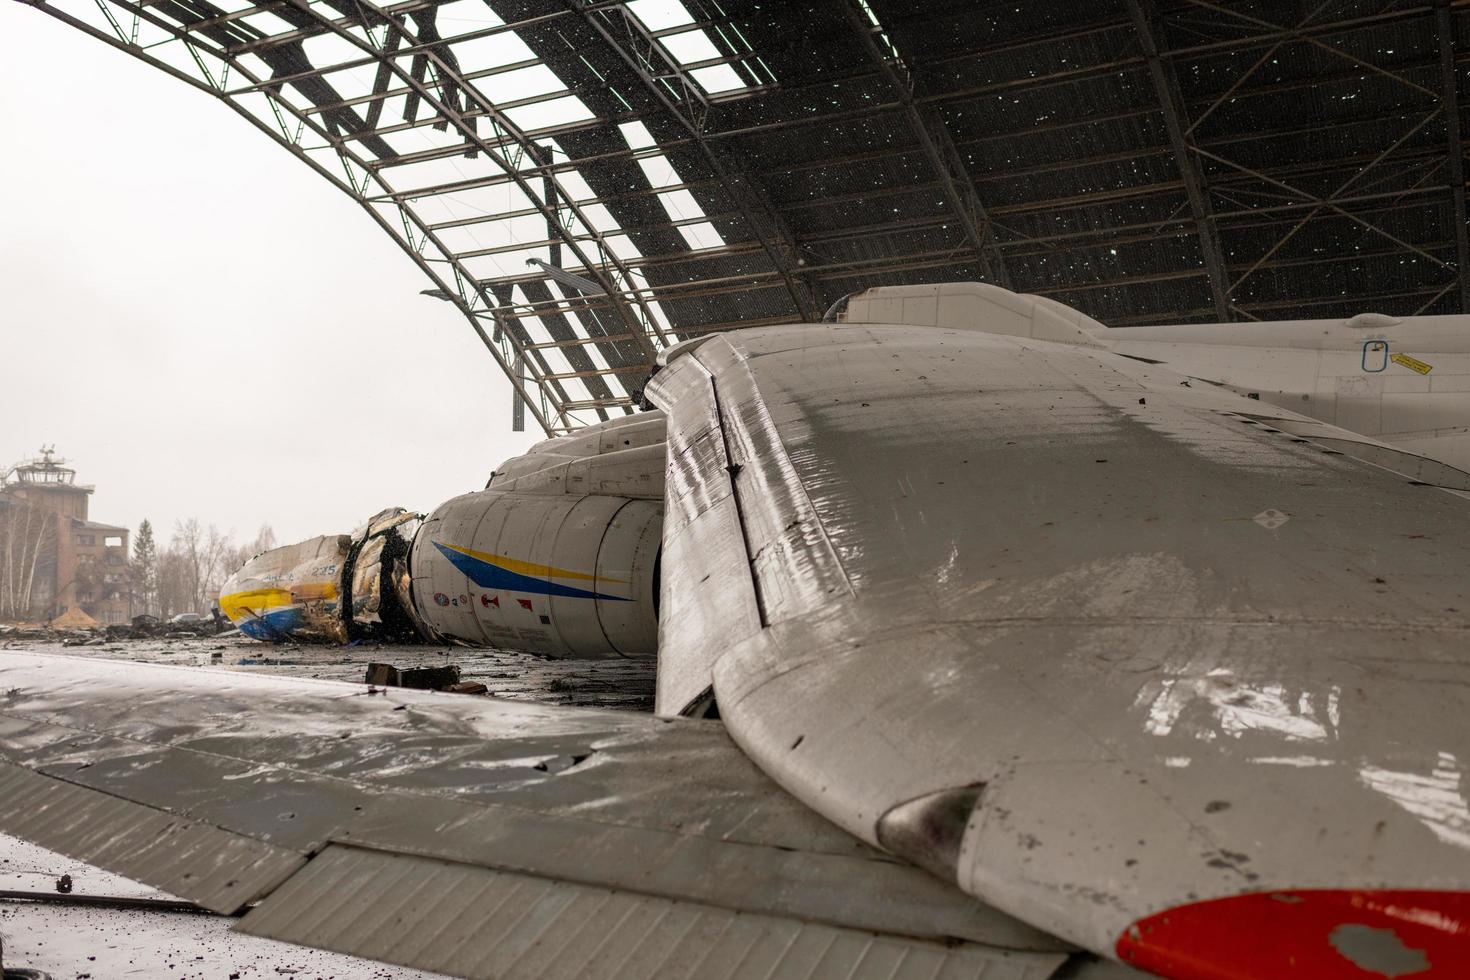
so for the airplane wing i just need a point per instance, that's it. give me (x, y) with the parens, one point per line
(1162, 678)
(471, 836)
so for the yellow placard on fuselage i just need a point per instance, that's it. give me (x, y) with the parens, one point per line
(1412, 363)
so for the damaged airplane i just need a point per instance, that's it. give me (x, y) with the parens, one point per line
(1038, 649)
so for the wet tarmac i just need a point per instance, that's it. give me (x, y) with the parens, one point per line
(72, 942)
(625, 684)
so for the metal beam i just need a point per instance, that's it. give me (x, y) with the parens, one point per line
(1166, 91)
(505, 130)
(420, 244)
(1450, 77)
(933, 135)
(690, 110)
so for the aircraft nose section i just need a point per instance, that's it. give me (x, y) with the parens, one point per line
(1308, 934)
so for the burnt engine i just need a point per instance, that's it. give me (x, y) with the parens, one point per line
(558, 556)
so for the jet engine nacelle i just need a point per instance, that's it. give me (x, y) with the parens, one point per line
(564, 575)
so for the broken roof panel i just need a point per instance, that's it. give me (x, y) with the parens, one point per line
(709, 163)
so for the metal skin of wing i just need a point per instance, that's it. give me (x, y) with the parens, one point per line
(1083, 637)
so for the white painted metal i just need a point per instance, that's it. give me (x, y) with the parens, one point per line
(407, 909)
(703, 541)
(1186, 654)
(537, 571)
(1405, 380)
(626, 803)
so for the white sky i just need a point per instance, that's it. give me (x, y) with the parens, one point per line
(202, 325)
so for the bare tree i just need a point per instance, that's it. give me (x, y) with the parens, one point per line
(265, 540)
(197, 562)
(27, 545)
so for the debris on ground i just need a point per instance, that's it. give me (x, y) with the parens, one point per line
(445, 678)
(74, 619)
(617, 683)
(74, 628)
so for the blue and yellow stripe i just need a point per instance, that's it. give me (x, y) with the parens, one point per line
(513, 575)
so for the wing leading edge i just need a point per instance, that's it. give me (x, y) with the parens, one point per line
(1094, 645)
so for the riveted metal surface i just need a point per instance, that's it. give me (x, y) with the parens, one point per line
(1187, 656)
(476, 922)
(612, 799)
(211, 867)
(629, 552)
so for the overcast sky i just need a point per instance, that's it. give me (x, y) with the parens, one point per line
(203, 326)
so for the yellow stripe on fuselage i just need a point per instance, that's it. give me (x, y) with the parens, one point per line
(254, 602)
(531, 568)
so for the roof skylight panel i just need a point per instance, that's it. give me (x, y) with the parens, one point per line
(557, 112)
(660, 15)
(677, 202)
(327, 49)
(693, 46)
(268, 24)
(484, 52)
(718, 79)
(467, 14)
(641, 286)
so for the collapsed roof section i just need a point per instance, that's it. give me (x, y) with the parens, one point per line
(591, 181)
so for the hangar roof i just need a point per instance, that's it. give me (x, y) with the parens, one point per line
(592, 180)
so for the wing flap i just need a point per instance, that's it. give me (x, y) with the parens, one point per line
(207, 785)
(704, 538)
(745, 877)
(210, 867)
(414, 911)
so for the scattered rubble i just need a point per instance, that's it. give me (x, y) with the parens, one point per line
(83, 630)
(445, 678)
(617, 683)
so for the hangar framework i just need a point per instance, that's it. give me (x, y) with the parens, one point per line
(592, 180)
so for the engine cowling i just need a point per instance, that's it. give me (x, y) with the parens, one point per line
(558, 555)
(555, 574)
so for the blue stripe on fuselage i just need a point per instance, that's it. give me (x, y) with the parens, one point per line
(488, 576)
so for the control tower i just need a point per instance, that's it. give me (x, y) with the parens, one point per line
(61, 560)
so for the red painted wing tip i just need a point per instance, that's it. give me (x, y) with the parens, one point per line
(1310, 934)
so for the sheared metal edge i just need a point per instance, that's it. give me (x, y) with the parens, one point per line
(475, 922)
(213, 868)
